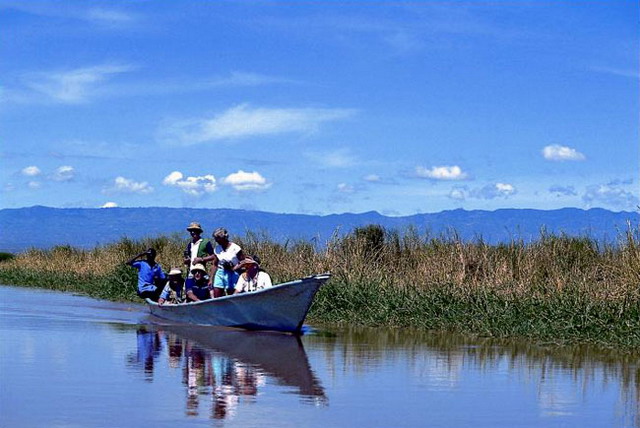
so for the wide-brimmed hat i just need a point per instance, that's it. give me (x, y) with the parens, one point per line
(175, 271)
(247, 261)
(194, 226)
(197, 267)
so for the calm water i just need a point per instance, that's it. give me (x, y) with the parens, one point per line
(72, 361)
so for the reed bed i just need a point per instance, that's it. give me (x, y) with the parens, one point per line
(556, 289)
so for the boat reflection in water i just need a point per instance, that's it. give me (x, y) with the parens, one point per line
(226, 367)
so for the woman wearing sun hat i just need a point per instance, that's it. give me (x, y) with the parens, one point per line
(173, 291)
(253, 278)
(223, 269)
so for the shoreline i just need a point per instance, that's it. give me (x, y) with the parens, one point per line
(562, 290)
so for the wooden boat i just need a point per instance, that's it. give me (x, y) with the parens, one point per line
(282, 307)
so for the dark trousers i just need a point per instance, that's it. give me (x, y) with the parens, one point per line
(153, 295)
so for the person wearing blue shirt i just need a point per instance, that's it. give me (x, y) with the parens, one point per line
(151, 278)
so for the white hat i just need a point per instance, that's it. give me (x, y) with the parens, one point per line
(198, 266)
(175, 271)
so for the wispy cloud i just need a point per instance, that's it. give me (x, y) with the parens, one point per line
(127, 185)
(194, 186)
(75, 86)
(109, 205)
(453, 172)
(490, 191)
(246, 181)
(563, 190)
(63, 173)
(244, 121)
(340, 158)
(556, 152)
(110, 17)
(371, 178)
(345, 188)
(622, 72)
(610, 195)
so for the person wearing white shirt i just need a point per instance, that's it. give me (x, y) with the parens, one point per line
(224, 268)
(252, 279)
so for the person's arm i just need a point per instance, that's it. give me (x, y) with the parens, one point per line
(133, 259)
(164, 295)
(186, 256)
(214, 268)
(209, 257)
(240, 255)
(192, 296)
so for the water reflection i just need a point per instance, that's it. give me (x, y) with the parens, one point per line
(562, 378)
(225, 368)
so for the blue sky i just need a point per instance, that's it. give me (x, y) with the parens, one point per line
(320, 107)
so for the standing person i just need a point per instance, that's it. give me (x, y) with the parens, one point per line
(198, 288)
(253, 278)
(173, 291)
(223, 270)
(151, 278)
(198, 251)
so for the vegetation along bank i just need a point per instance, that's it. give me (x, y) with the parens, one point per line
(558, 289)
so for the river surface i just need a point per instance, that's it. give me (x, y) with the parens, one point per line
(72, 361)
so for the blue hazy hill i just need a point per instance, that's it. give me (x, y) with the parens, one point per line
(44, 227)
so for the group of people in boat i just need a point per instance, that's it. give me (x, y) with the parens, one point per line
(230, 271)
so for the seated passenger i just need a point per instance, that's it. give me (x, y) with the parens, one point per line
(253, 278)
(198, 286)
(173, 291)
(151, 278)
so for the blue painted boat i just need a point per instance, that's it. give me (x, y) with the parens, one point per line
(282, 307)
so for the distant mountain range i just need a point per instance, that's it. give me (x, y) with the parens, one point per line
(45, 227)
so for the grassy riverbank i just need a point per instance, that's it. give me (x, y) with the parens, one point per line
(557, 289)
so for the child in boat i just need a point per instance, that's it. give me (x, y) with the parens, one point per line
(253, 278)
(199, 288)
(173, 291)
(151, 278)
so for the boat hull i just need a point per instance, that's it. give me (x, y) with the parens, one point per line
(280, 308)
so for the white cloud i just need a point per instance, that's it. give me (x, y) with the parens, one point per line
(194, 186)
(246, 181)
(346, 188)
(63, 173)
(126, 185)
(610, 195)
(556, 152)
(244, 121)
(458, 193)
(34, 185)
(371, 178)
(441, 173)
(31, 171)
(74, 86)
(109, 205)
(490, 191)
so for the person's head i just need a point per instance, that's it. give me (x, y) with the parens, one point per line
(175, 277)
(221, 235)
(250, 265)
(198, 271)
(195, 230)
(151, 254)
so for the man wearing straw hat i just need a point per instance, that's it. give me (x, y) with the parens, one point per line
(198, 251)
